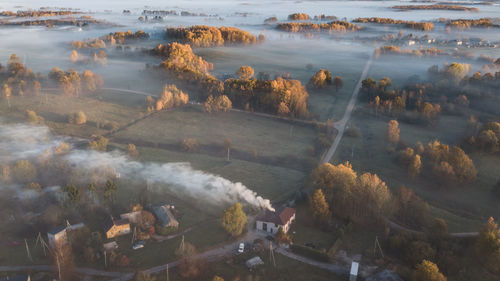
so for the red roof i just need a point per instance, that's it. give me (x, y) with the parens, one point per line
(280, 217)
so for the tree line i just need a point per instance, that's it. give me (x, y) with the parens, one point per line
(209, 36)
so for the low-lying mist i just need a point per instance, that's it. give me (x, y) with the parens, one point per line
(37, 144)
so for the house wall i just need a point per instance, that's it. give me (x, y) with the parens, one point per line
(272, 227)
(286, 227)
(118, 230)
(57, 239)
(269, 226)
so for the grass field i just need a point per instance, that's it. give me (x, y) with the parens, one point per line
(464, 207)
(247, 132)
(286, 270)
(272, 182)
(55, 108)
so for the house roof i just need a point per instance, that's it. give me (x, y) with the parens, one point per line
(280, 217)
(110, 222)
(163, 214)
(57, 229)
(354, 268)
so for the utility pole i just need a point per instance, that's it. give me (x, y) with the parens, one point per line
(271, 253)
(377, 245)
(105, 260)
(58, 267)
(181, 247)
(167, 272)
(28, 250)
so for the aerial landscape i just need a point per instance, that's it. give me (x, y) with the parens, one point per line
(249, 140)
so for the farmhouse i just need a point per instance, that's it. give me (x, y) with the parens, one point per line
(271, 221)
(114, 228)
(164, 216)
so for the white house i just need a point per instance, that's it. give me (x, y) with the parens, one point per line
(271, 221)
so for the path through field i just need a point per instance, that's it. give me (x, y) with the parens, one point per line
(340, 125)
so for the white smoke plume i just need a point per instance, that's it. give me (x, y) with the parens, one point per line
(25, 141)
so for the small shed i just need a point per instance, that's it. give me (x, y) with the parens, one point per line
(254, 262)
(110, 246)
(354, 271)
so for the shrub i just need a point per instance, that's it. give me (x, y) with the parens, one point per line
(31, 116)
(78, 118)
(310, 253)
(190, 145)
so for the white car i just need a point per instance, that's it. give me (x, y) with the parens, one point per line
(241, 248)
(138, 245)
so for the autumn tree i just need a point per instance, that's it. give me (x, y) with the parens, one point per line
(31, 116)
(415, 167)
(245, 72)
(427, 271)
(234, 219)
(411, 209)
(337, 183)
(7, 93)
(217, 278)
(217, 104)
(384, 83)
(319, 206)
(488, 140)
(171, 97)
(132, 150)
(147, 220)
(321, 79)
(77, 118)
(100, 144)
(74, 56)
(456, 70)
(439, 227)
(393, 132)
(371, 198)
(488, 245)
(190, 145)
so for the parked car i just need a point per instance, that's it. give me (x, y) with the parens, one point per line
(138, 245)
(241, 247)
(270, 237)
(310, 245)
(13, 243)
